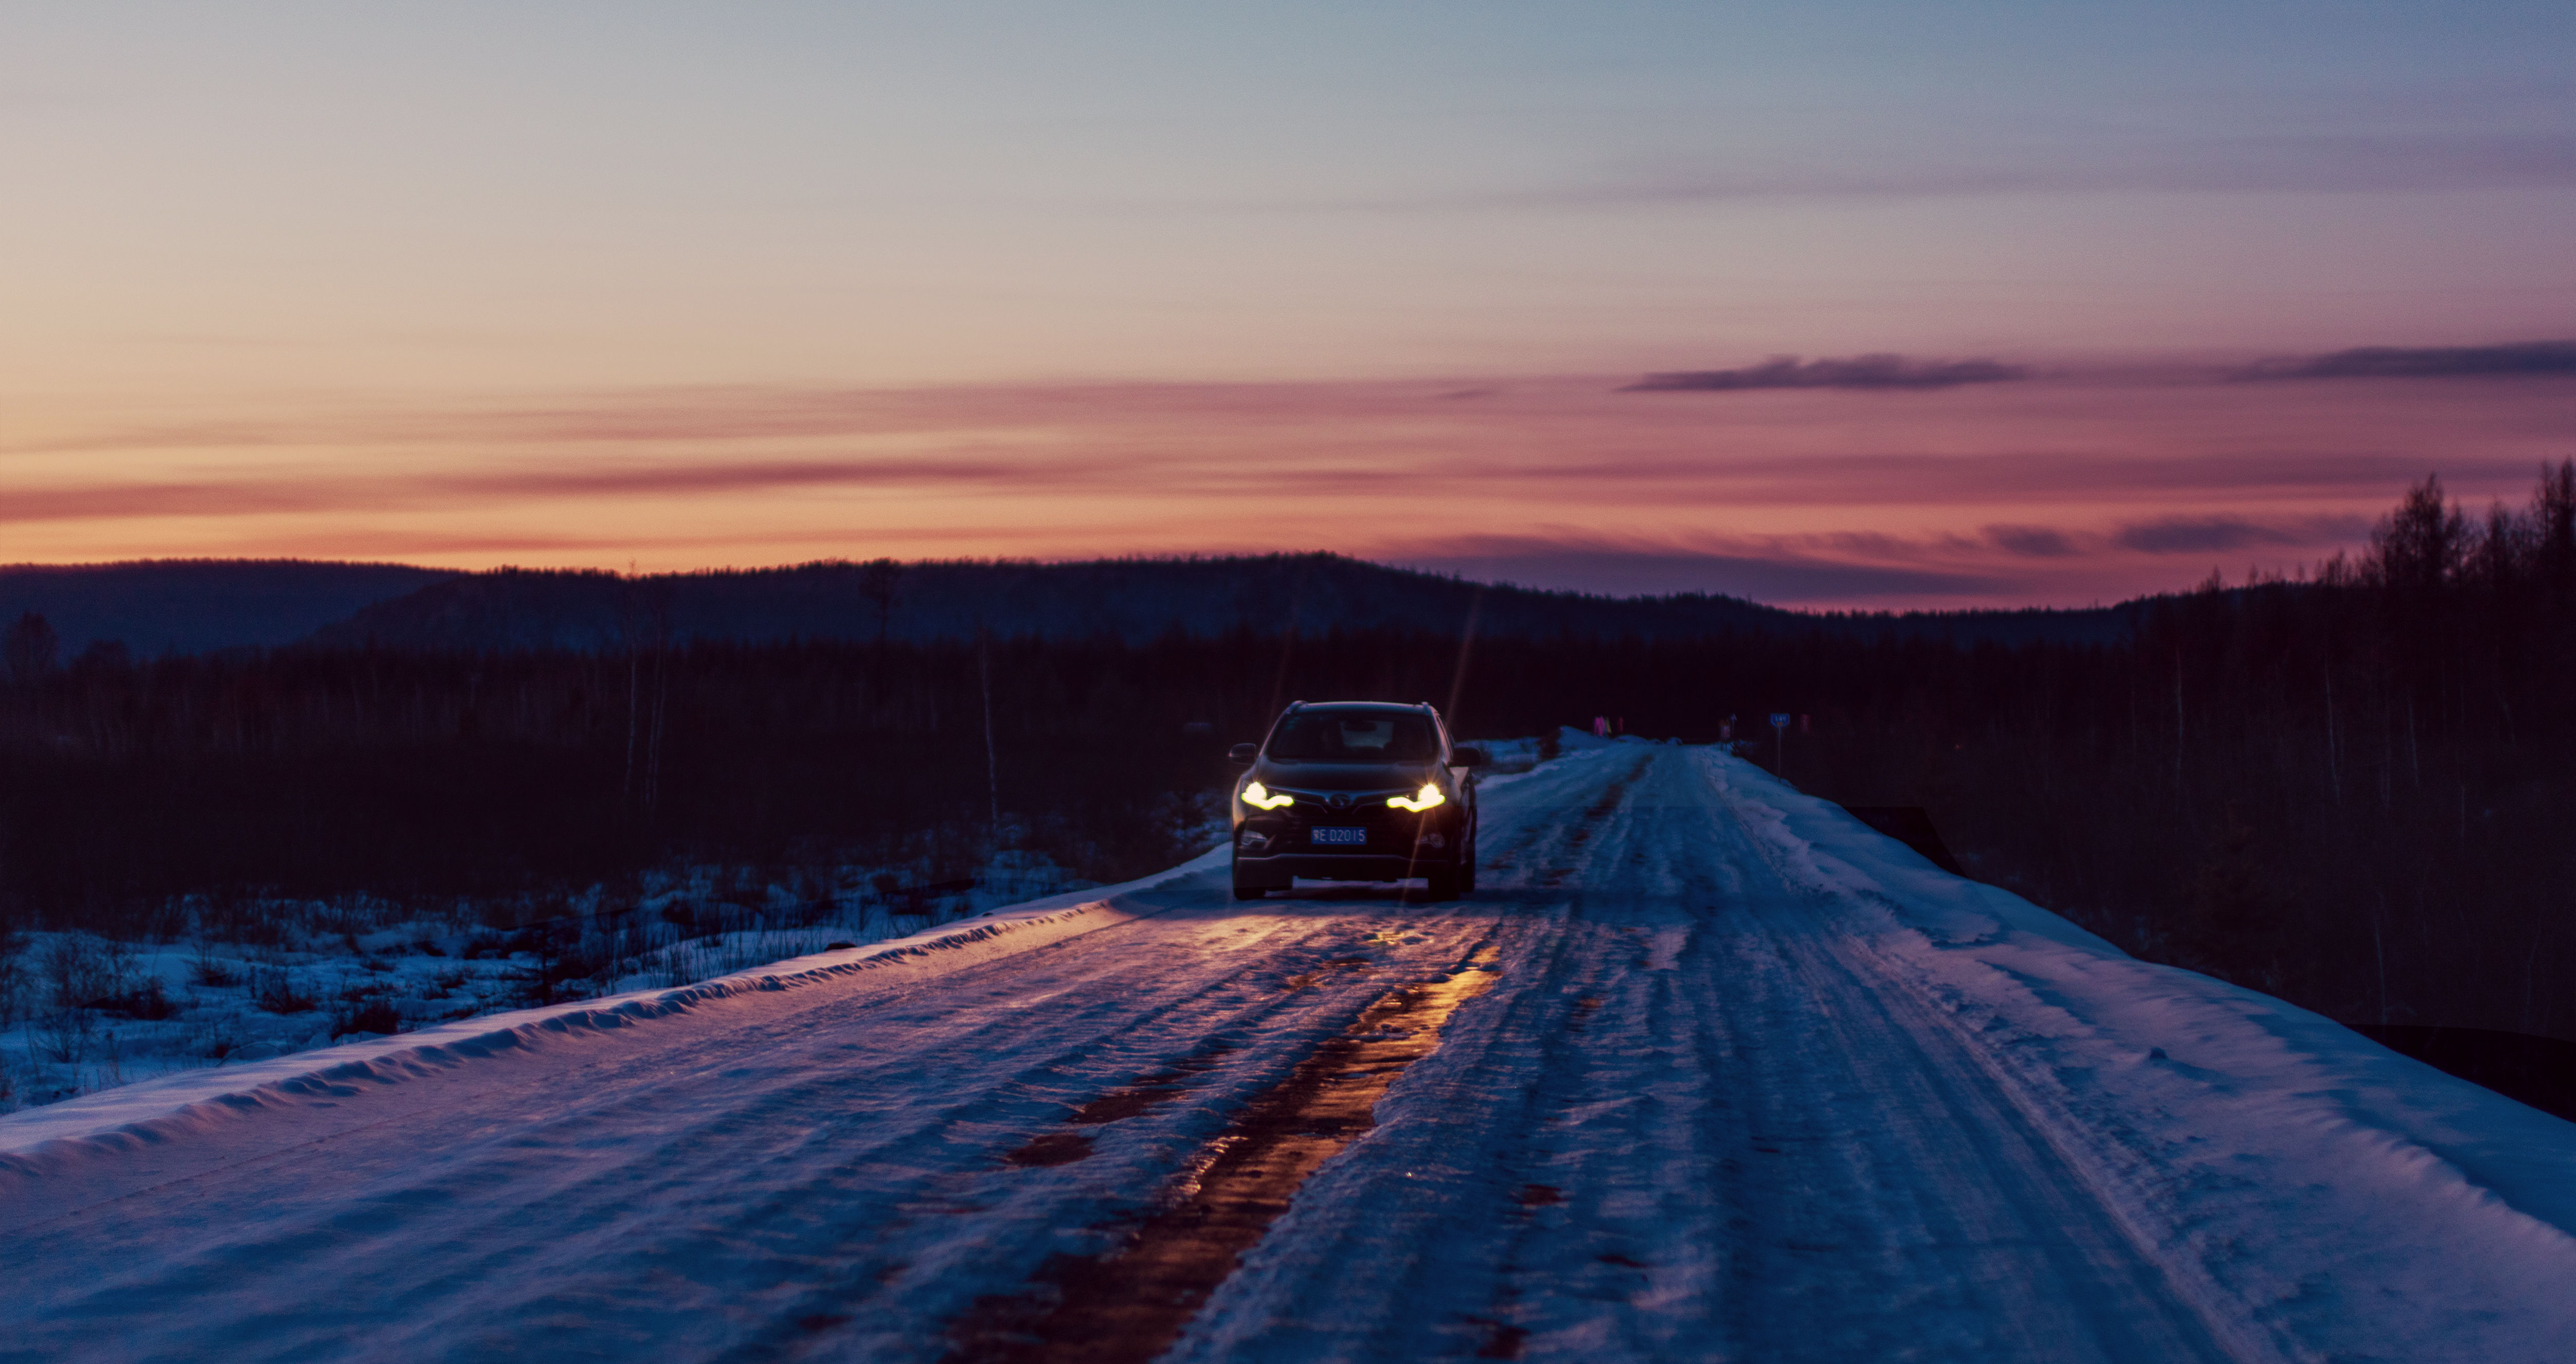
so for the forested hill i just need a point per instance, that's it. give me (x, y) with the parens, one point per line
(186, 606)
(1129, 600)
(2352, 792)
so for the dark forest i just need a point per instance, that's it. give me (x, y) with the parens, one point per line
(2354, 790)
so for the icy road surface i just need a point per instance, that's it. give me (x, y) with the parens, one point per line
(1706, 1071)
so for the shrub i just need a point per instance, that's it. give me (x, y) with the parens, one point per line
(377, 1017)
(149, 1001)
(83, 970)
(218, 1042)
(12, 975)
(210, 971)
(62, 1035)
(279, 994)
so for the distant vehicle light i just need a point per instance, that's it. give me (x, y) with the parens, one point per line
(1419, 801)
(1259, 798)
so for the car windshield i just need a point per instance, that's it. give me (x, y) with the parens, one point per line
(1355, 736)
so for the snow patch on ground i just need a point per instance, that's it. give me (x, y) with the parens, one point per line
(2295, 1169)
(82, 1014)
(187, 1102)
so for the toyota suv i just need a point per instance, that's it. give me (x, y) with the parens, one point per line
(1355, 791)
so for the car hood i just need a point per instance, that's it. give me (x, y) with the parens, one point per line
(1344, 776)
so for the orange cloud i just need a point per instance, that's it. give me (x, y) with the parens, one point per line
(2046, 489)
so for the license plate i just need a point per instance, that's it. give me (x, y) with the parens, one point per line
(1340, 835)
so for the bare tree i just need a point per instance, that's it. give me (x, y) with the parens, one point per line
(879, 580)
(2420, 546)
(31, 648)
(2553, 509)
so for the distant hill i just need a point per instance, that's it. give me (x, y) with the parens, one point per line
(158, 606)
(166, 606)
(1133, 600)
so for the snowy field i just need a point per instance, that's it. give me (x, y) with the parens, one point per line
(1705, 1070)
(80, 1014)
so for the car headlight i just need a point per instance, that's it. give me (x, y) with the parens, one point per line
(1259, 798)
(1420, 800)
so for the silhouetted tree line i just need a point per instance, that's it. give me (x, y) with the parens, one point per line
(2356, 790)
(317, 773)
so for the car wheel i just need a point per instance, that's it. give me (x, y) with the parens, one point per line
(1444, 883)
(1243, 892)
(1467, 869)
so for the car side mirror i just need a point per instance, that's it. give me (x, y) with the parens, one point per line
(1467, 757)
(1244, 755)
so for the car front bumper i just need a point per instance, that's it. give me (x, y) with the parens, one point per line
(1276, 872)
(1274, 847)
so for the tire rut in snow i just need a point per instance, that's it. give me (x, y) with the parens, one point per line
(1144, 1095)
(1910, 1202)
(1149, 1092)
(803, 1180)
(1737, 1142)
(1594, 961)
(1546, 853)
(1131, 1303)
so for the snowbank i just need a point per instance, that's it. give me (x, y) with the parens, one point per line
(2293, 1168)
(322, 973)
(160, 1110)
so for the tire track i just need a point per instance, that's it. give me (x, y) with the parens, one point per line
(1978, 1239)
(686, 1182)
(1469, 1135)
(1618, 1097)
(1128, 1304)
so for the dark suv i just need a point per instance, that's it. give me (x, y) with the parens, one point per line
(1355, 791)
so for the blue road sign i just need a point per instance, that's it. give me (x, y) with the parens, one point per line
(1779, 719)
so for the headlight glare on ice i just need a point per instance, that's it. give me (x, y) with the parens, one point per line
(1259, 798)
(1420, 800)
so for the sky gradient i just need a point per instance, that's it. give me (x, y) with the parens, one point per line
(680, 286)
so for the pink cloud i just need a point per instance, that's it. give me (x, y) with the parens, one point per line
(2044, 489)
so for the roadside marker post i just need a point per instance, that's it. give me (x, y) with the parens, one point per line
(1780, 744)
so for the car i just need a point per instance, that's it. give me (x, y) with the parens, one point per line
(1355, 791)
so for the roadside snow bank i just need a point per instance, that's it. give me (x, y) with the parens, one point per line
(1517, 761)
(2320, 1190)
(195, 1102)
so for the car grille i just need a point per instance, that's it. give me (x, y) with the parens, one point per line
(1356, 806)
(1389, 830)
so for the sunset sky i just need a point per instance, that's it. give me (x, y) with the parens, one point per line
(679, 286)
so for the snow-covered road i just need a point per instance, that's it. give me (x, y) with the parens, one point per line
(1706, 1071)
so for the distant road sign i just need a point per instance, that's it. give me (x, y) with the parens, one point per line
(1779, 719)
